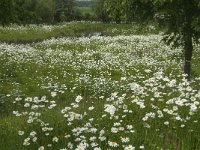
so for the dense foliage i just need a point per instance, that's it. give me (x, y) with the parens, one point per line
(6, 11)
(183, 27)
(124, 10)
(38, 11)
(100, 11)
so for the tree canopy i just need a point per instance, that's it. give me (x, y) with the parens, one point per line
(6, 11)
(182, 21)
(36, 11)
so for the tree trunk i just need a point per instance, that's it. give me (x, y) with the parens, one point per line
(188, 33)
(118, 18)
(188, 48)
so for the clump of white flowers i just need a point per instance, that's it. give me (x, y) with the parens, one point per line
(107, 89)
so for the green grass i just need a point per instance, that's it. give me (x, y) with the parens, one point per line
(86, 10)
(121, 71)
(29, 34)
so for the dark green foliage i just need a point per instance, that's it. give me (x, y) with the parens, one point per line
(181, 19)
(65, 10)
(138, 10)
(6, 12)
(25, 11)
(45, 10)
(100, 10)
(123, 10)
(37, 11)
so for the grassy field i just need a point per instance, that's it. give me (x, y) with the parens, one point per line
(86, 10)
(36, 33)
(65, 87)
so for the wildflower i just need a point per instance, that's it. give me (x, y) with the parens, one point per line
(33, 133)
(129, 127)
(80, 148)
(121, 128)
(47, 134)
(123, 78)
(75, 106)
(114, 130)
(110, 109)
(78, 98)
(141, 147)
(18, 99)
(26, 142)
(30, 120)
(125, 140)
(93, 130)
(166, 123)
(117, 124)
(93, 138)
(52, 106)
(77, 139)
(28, 99)
(41, 148)
(70, 145)
(193, 107)
(102, 132)
(55, 139)
(34, 139)
(91, 119)
(130, 147)
(67, 136)
(93, 144)
(20, 132)
(97, 148)
(27, 105)
(83, 145)
(102, 138)
(91, 108)
(53, 94)
(182, 126)
(113, 144)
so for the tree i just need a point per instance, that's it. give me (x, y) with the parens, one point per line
(65, 10)
(100, 10)
(115, 9)
(182, 19)
(129, 10)
(45, 10)
(25, 11)
(69, 9)
(138, 10)
(34, 11)
(6, 12)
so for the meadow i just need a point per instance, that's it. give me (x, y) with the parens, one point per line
(93, 86)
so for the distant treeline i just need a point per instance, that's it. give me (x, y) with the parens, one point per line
(53, 11)
(39, 11)
(123, 10)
